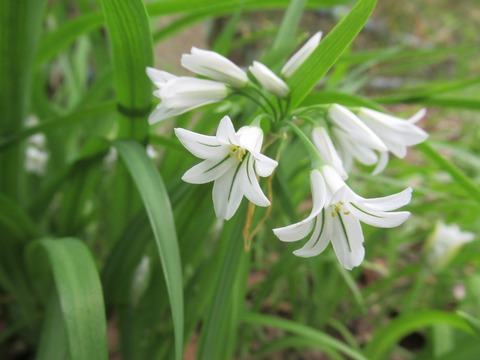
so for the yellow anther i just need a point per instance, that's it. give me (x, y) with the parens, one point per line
(337, 208)
(238, 152)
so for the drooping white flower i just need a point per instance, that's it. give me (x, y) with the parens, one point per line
(36, 153)
(179, 95)
(301, 55)
(269, 80)
(445, 242)
(232, 161)
(36, 160)
(336, 215)
(325, 147)
(151, 152)
(395, 133)
(215, 66)
(353, 138)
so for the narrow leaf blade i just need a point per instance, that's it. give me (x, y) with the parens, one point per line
(329, 51)
(79, 293)
(157, 204)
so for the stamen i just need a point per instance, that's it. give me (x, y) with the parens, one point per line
(238, 152)
(337, 208)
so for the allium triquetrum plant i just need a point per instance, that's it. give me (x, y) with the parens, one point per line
(263, 202)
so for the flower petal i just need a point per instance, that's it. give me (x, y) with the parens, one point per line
(382, 163)
(184, 92)
(333, 181)
(227, 193)
(388, 203)
(380, 219)
(215, 66)
(301, 229)
(420, 114)
(343, 148)
(364, 154)
(159, 77)
(250, 138)
(301, 55)
(264, 166)
(162, 113)
(226, 132)
(319, 239)
(295, 232)
(202, 146)
(269, 80)
(249, 183)
(210, 170)
(347, 240)
(324, 145)
(393, 129)
(356, 129)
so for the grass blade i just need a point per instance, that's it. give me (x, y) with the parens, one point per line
(79, 295)
(386, 337)
(322, 339)
(20, 23)
(132, 51)
(329, 51)
(213, 338)
(156, 202)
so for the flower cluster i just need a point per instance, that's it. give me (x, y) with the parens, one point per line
(340, 135)
(180, 94)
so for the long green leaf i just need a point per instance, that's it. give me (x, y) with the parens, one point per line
(213, 338)
(386, 337)
(321, 338)
(132, 50)
(155, 198)
(78, 291)
(20, 23)
(329, 51)
(458, 175)
(16, 220)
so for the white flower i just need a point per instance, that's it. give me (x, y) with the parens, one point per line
(329, 154)
(269, 80)
(301, 55)
(233, 161)
(36, 155)
(215, 66)
(353, 138)
(36, 160)
(445, 242)
(395, 133)
(151, 152)
(336, 215)
(179, 95)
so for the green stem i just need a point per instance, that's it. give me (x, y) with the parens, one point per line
(315, 158)
(458, 175)
(250, 97)
(265, 98)
(20, 22)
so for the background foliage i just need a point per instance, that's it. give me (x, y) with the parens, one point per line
(104, 252)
